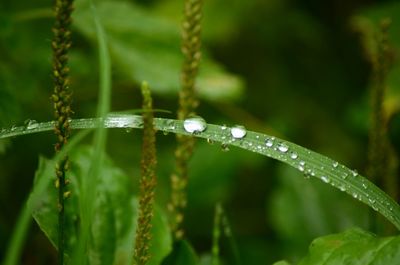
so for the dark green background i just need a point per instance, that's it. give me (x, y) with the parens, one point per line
(297, 69)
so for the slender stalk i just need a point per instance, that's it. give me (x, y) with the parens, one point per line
(216, 234)
(62, 105)
(148, 182)
(191, 44)
(377, 148)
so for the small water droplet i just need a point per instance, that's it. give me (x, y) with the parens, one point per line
(302, 163)
(31, 124)
(335, 164)
(294, 155)
(355, 195)
(170, 124)
(364, 185)
(269, 142)
(210, 141)
(283, 148)
(238, 132)
(354, 173)
(223, 127)
(224, 147)
(301, 168)
(13, 128)
(371, 200)
(344, 176)
(195, 125)
(342, 188)
(129, 129)
(325, 179)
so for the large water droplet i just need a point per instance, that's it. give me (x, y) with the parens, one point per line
(31, 124)
(195, 125)
(238, 132)
(269, 142)
(283, 148)
(325, 179)
(294, 155)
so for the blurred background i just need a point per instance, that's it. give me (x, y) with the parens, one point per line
(294, 69)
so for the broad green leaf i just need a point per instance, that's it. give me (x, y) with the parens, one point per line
(146, 47)
(182, 254)
(114, 225)
(355, 247)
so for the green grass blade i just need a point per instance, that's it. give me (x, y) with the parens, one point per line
(308, 162)
(24, 219)
(100, 138)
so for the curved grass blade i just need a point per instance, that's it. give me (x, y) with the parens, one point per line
(308, 162)
(89, 183)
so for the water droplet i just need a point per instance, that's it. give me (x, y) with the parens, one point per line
(269, 142)
(325, 179)
(294, 155)
(371, 200)
(223, 127)
(210, 141)
(238, 132)
(301, 168)
(129, 129)
(283, 148)
(302, 163)
(344, 176)
(195, 125)
(364, 185)
(335, 164)
(355, 195)
(342, 188)
(13, 128)
(224, 147)
(354, 173)
(31, 124)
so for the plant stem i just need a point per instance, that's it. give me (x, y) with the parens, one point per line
(191, 44)
(148, 182)
(62, 104)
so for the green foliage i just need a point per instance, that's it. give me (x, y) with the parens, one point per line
(354, 246)
(298, 65)
(146, 47)
(113, 229)
(183, 254)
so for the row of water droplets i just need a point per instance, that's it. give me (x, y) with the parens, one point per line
(349, 180)
(235, 136)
